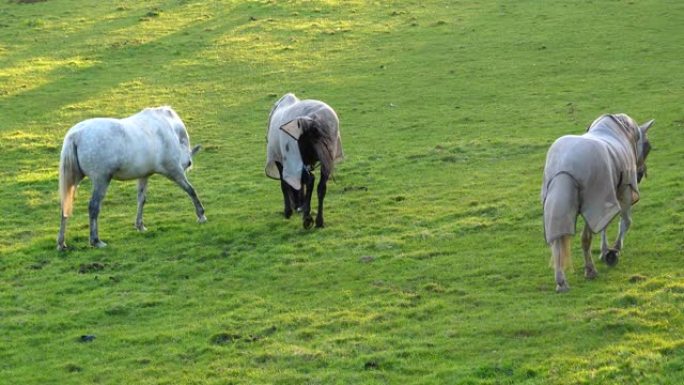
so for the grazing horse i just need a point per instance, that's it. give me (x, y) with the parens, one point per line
(153, 141)
(596, 175)
(302, 133)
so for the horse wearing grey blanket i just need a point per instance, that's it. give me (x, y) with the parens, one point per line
(302, 134)
(595, 175)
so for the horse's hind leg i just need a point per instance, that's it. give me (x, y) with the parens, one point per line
(61, 244)
(322, 188)
(142, 191)
(560, 249)
(100, 186)
(589, 269)
(61, 236)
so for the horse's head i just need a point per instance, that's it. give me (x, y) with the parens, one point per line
(643, 147)
(636, 133)
(186, 152)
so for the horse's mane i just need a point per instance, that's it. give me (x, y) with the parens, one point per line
(626, 124)
(626, 128)
(174, 120)
(323, 140)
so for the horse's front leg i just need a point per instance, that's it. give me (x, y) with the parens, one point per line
(284, 188)
(589, 269)
(182, 181)
(142, 192)
(604, 243)
(611, 255)
(625, 218)
(309, 179)
(100, 186)
(322, 188)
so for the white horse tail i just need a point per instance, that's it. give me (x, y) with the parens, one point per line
(561, 257)
(70, 174)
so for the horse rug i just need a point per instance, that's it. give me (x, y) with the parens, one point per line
(587, 174)
(283, 134)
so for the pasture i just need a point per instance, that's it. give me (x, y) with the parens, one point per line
(432, 268)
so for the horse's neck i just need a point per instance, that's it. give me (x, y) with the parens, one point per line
(613, 132)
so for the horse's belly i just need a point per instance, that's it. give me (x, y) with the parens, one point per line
(133, 172)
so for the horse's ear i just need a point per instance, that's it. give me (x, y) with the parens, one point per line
(292, 128)
(195, 150)
(644, 127)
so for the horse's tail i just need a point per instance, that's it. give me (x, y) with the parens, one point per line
(560, 252)
(70, 174)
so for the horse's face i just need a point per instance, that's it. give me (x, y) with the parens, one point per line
(643, 149)
(194, 151)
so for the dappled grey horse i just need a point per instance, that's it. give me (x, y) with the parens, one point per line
(301, 134)
(153, 141)
(595, 175)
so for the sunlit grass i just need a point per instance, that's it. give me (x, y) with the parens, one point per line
(433, 267)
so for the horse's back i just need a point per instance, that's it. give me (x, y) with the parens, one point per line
(578, 156)
(116, 147)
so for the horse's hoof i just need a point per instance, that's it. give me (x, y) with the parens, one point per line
(590, 273)
(202, 219)
(611, 257)
(319, 223)
(308, 222)
(562, 288)
(99, 244)
(62, 247)
(141, 228)
(287, 213)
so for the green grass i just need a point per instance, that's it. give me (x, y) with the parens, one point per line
(433, 268)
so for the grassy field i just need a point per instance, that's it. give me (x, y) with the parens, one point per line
(432, 268)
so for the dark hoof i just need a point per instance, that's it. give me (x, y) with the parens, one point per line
(87, 338)
(319, 223)
(562, 288)
(611, 257)
(308, 222)
(590, 273)
(98, 244)
(287, 213)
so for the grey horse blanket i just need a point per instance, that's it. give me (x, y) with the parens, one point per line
(588, 174)
(282, 145)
